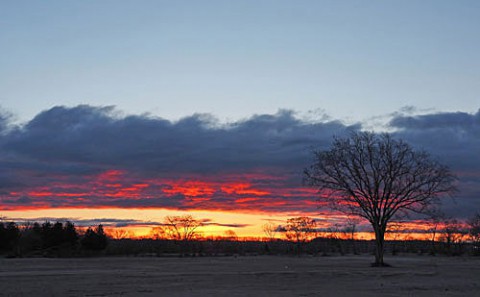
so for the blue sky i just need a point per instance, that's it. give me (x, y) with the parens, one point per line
(352, 59)
(412, 67)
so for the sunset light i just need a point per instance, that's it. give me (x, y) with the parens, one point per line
(239, 148)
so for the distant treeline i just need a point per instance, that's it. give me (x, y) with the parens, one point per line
(316, 247)
(50, 239)
(65, 240)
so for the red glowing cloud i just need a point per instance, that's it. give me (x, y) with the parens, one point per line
(116, 188)
(189, 188)
(243, 189)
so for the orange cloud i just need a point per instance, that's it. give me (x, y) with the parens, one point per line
(189, 188)
(242, 189)
(252, 193)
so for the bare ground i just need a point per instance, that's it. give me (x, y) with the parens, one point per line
(240, 276)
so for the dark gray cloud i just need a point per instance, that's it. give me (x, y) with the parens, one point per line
(209, 222)
(110, 222)
(453, 138)
(85, 138)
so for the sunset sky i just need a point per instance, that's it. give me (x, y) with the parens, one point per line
(123, 112)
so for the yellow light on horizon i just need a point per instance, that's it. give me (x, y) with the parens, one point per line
(217, 222)
(243, 224)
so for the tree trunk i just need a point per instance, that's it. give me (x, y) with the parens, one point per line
(379, 245)
(432, 251)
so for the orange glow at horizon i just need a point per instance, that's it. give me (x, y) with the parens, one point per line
(223, 221)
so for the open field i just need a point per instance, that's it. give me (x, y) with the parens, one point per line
(241, 276)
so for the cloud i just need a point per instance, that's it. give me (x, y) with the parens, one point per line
(208, 222)
(98, 138)
(109, 222)
(94, 156)
(453, 138)
(88, 156)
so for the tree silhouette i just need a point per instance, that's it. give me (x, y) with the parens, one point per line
(181, 228)
(377, 177)
(452, 235)
(230, 235)
(474, 228)
(47, 235)
(433, 221)
(70, 235)
(270, 230)
(30, 238)
(120, 234)
(300, 229)
(94, 239)
(56, 235)
(350, 230)
(474, 232)
(9, 235)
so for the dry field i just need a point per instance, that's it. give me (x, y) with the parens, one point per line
(241, 276)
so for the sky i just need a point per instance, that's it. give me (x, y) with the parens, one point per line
(151, 108)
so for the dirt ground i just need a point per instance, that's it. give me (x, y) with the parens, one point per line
(241, 276)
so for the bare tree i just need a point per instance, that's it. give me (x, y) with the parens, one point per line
(474, 228)
(433, 221)
(230, 235)
(452, 235)
(377, 177)
(300, 229)
(180, 228)
(335, 231)
(351, 227)
(158, 233)
(394, 231)
(451, 232)
(350, 231)
(270, 230)
(183, 228)
(474, 232)
(120, 234)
